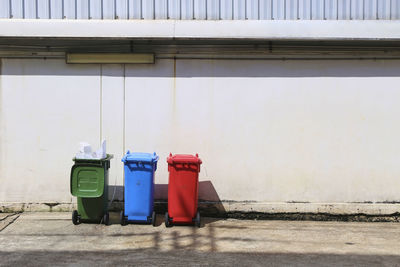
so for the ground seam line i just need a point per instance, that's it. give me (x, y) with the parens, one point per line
(11, 222)
(9, 215)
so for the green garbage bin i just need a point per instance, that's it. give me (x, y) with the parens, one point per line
(89, 183)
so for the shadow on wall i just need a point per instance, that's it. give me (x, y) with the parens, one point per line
(207, 192)
(118, 195)
(209, 202)
(214, 68)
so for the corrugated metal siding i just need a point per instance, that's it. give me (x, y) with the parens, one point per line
(202, 9)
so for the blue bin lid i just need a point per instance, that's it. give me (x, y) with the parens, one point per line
(140, 157)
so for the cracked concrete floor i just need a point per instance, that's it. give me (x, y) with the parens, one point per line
(52, 239)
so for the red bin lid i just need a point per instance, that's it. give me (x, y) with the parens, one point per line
(183, 158)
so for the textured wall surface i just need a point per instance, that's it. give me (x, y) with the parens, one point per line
(202, 9)
(267, 131)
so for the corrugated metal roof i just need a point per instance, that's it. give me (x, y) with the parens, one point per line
(202, 9)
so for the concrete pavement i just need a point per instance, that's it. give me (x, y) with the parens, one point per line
(51, 239)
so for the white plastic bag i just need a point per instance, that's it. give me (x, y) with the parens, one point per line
(101, 152)
(85, 151)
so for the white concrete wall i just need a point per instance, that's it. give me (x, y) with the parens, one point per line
(47, 107)
(267, 131)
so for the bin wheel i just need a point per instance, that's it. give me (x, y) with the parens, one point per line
(197, 221)
(106, 218)
(153, 218)
(167, 220)
(75, 217)
(122, 218)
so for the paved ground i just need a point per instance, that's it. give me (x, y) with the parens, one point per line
(52, 239)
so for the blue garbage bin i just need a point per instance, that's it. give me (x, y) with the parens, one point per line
(139, 188)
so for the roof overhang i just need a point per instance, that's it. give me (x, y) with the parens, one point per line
(214, 30)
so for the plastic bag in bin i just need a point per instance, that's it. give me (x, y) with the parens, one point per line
(85, 151)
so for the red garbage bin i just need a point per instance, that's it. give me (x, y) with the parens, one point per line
(183, 190)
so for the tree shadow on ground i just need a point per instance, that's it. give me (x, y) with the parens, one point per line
(180, 257)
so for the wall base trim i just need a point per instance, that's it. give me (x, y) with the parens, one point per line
(233, 207)
(328, 208)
